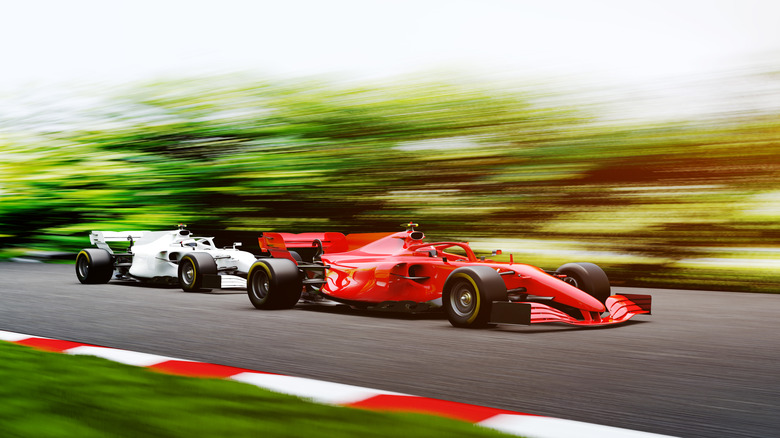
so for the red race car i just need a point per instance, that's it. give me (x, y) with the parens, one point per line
(401, 272)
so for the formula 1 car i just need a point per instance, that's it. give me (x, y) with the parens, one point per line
(400, 272)
(168, 257)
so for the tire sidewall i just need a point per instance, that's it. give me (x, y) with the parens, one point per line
(202, 264)
(456, 317)
(284, 284)
(99, 266)
(196, 277)
(258, 269)
(487, 286)
(83, 259)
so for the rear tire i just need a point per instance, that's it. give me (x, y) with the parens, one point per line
(274, 284)
(589, 278)
(469, 293)
(94, 266)
(192, 269)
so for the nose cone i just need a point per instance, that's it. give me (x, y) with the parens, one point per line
(580, 299)
(565, 293)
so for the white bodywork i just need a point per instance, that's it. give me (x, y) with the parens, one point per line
(156, 254)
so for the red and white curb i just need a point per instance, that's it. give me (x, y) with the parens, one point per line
(511, 422)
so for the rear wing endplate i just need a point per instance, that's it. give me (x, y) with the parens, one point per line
(331, 242)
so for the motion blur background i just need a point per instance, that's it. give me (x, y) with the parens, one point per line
(643, 136)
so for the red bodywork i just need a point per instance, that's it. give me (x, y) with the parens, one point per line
(399, 271)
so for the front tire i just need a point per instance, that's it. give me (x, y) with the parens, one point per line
(193, 268)
(469, 293)
(94, 266)
(589, 278)
(274, 284)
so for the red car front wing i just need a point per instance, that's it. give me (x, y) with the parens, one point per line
(621, 308)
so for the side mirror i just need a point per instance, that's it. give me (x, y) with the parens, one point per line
(236, 244)
(497, 252)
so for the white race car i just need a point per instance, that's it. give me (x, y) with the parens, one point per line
(168, 257)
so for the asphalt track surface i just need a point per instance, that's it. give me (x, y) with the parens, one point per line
(703, 365)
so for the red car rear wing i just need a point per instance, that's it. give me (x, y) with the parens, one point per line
(280, 243)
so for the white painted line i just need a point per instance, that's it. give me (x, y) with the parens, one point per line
(121, 356)
(14, 337)
(546, 427)
(315, 390)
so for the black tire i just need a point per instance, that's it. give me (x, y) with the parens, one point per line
(274, 284)
(589, 278)
(94, 266)
(469, 293)
(192, 269)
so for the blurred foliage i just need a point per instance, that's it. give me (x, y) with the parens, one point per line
(465, 160)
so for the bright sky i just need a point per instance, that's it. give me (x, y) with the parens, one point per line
(44, 42)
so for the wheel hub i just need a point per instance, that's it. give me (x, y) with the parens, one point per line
(189, 273)
(83, 267)
(462, 299)
(262, 285)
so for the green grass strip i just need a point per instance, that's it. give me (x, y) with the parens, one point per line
(56, 395)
